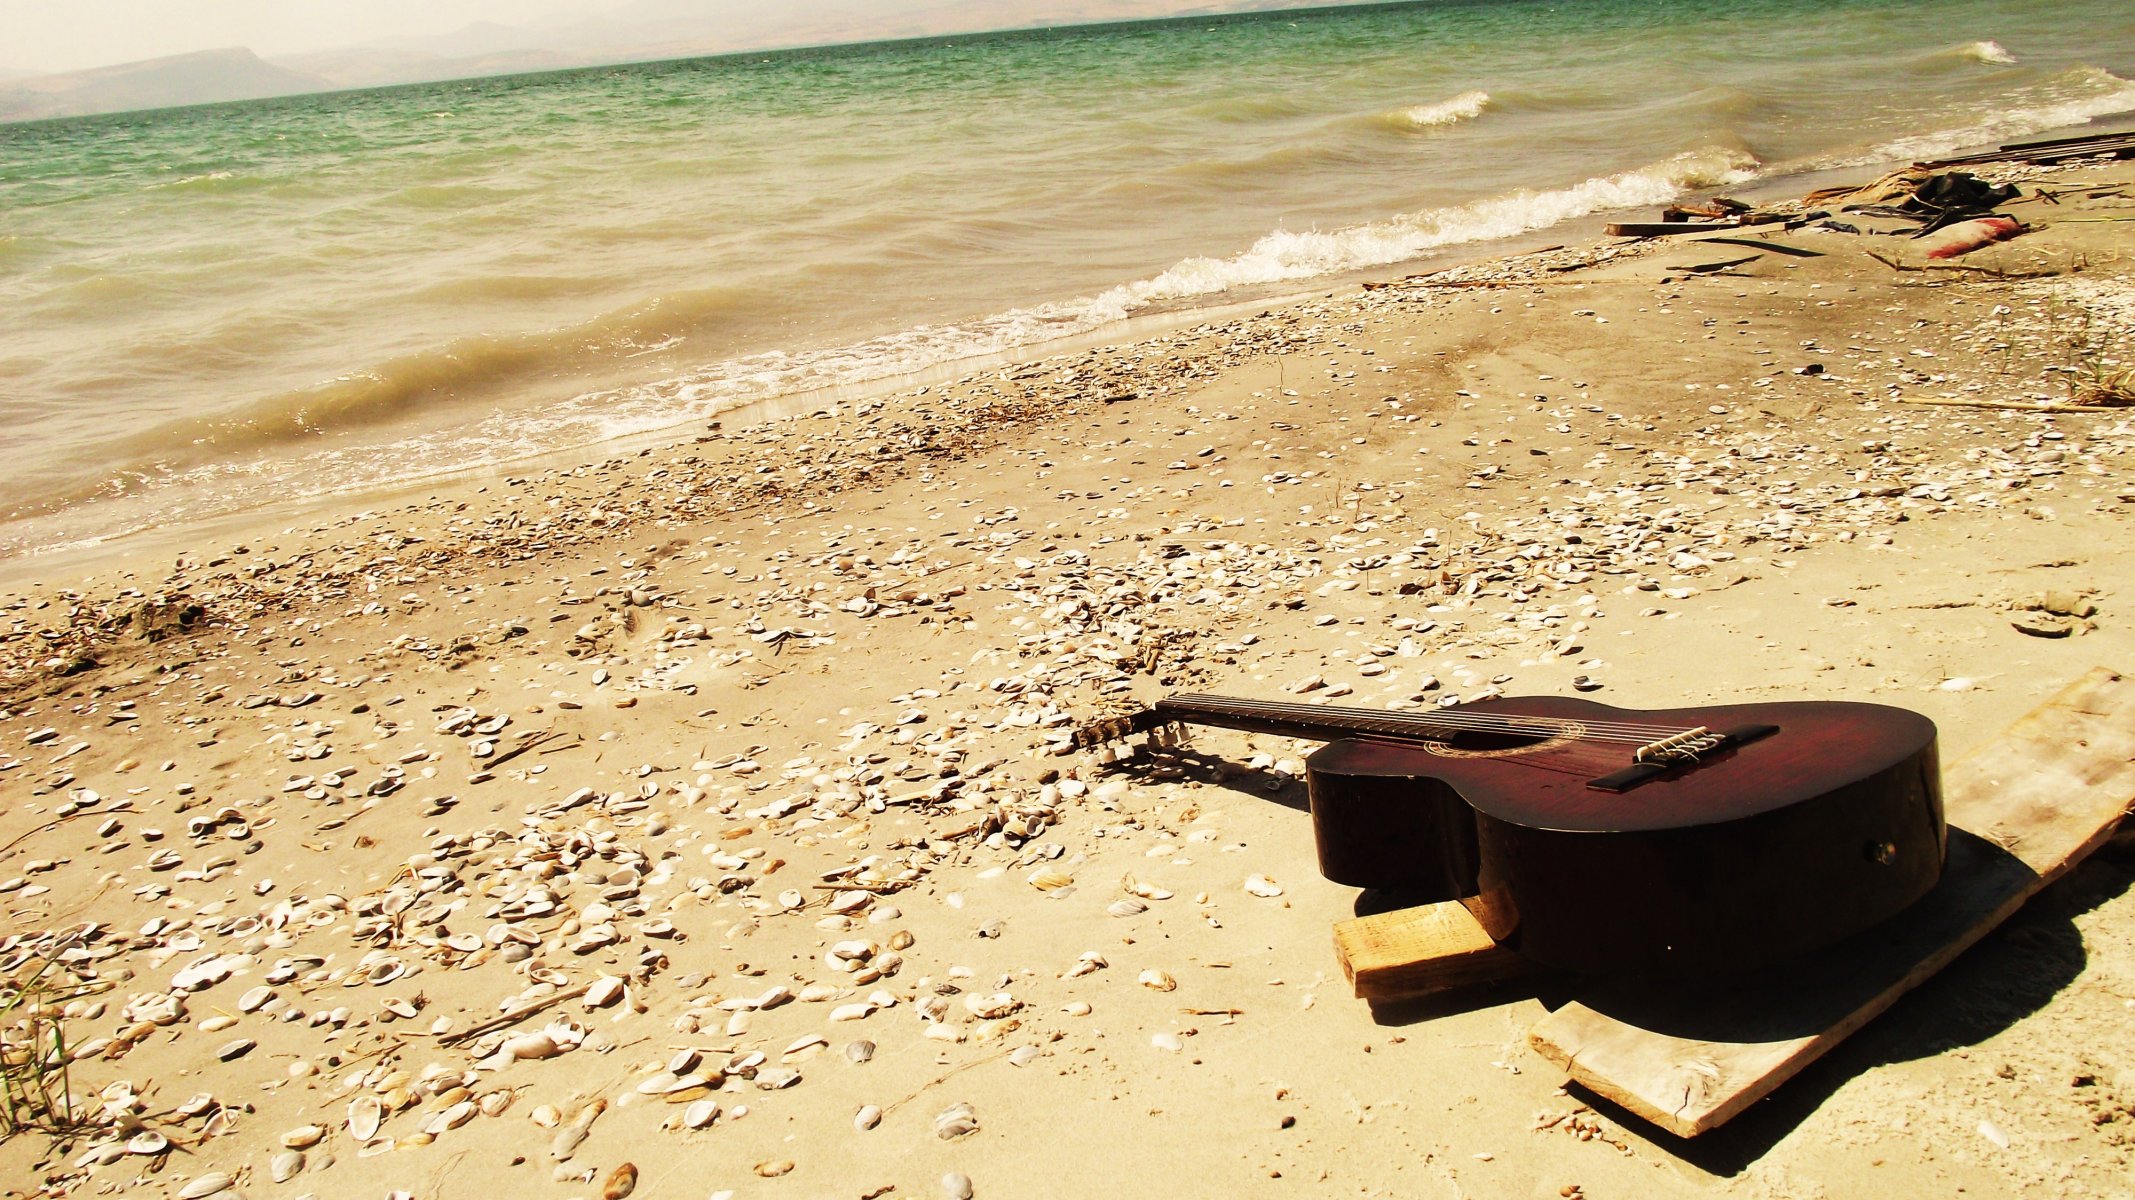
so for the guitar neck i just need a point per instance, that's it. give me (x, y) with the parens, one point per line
(1318, 721)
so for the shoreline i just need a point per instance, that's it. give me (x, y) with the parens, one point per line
(757, 736)
(1212, 307)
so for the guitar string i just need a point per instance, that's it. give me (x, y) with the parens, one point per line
(1446, 718)
(1446, 715)
(1617, 731)
(1369, 725)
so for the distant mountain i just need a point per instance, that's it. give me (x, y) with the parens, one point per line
(205, 77)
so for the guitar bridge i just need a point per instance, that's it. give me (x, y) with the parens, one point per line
(1658, 758)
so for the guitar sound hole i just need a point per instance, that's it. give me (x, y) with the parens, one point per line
(1500, 743)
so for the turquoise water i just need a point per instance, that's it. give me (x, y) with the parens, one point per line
(215, 307)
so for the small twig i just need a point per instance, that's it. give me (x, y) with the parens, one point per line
(525, 744)
(513, 1017)
(943, 1078)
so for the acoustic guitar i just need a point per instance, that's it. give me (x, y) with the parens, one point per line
(1598, 839)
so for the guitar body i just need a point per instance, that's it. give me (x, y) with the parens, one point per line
(1825, 821)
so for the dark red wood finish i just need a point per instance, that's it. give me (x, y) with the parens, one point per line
(1754, 854)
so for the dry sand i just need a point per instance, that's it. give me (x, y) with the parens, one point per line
(756, 735)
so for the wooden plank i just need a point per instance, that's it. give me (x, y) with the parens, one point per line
(1642, 229)
(1418, 951)
(2039, 797)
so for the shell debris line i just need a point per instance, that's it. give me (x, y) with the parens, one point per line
(712, 819)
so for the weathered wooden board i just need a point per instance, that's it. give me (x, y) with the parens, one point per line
(1420, 951)
(2036, 800)
(1646, 229)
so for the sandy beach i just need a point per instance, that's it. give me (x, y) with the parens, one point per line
(745, 754)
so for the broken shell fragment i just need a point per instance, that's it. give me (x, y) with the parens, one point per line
(1261, 885)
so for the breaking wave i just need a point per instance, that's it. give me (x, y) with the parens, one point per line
(1987, 52)
(2081, 95)
(1286, 255)
(1451, 111)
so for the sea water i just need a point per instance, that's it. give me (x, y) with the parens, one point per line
(208, 309)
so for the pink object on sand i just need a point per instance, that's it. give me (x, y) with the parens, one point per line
(1967, 236)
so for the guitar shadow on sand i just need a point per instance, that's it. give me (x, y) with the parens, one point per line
(2013, 972)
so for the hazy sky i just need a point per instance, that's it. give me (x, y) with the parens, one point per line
(64, 35)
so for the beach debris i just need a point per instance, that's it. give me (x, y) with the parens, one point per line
(1967, 236)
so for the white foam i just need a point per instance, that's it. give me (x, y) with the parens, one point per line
(2053, 111)
(1988, 52)
(1287, 255)
(1465, 107)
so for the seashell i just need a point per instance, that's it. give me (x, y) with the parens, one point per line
(465, 943)
(683, 1060)
(530, 1045)
(566, 1142)
(197, 1103)
(1126, 907)
(303, 1137)
(205, 1185)
(621, 1182)
(700, 1113)
(385, 972)
(773, 1168)
(1158, 980)
(401, 1008)
(233, 1050)
(1050, 879)
(148, 1141)
(1167, 1041)
(1145, 890)
(658, 1083)
(1090, 961)
(604, 991)
(852, 1012)
(217, 1024)
(546, 1116)
(1261, 885)
(450, 1118)
(988, 1008)
(284, 1166)
(791, 898)
(957, 1186)
(956, 1121)
(251, 1000)
(494, 1103)
(364, 1116)
(860, 1051)
(222, 1121)
(867, 1118)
